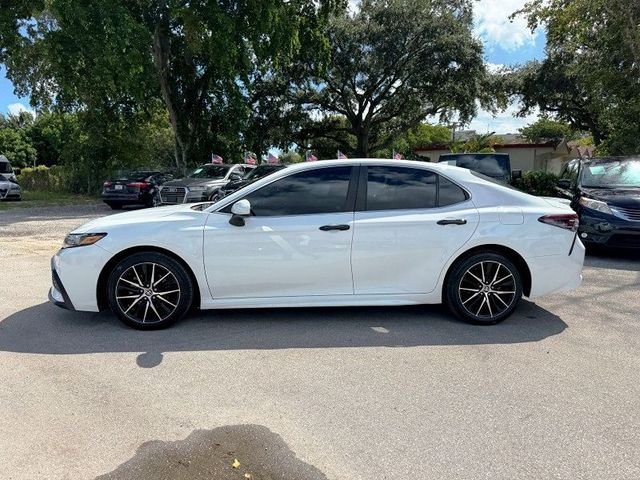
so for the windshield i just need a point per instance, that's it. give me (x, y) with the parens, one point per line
(262, 171)
(209, 171)
(623, 173)
(5, 167)
(491, 165)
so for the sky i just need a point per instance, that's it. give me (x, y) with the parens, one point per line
(505, 42)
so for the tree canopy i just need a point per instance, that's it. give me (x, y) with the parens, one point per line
(393, 64)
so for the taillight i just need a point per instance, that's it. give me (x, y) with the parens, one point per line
(106, 184)
(141, 185)
(568, 221)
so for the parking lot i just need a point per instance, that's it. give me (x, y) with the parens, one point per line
(357, 393)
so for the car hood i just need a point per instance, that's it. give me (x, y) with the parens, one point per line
(7, 184)
(192, 182)
(619, 197)
(134, 217)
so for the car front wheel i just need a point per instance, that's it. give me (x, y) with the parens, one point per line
(149, 290)
(483, 289)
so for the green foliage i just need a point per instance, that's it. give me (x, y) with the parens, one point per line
(16, 147)
(43, 178)
(590, 76)
(477, 144)
(291, 157)
(538, 183)
(546, 128)
(421, 135)
(393, 64)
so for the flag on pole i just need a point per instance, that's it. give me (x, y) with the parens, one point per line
(341, 156)
(311, 157)
(249, 159)
(272, 159)
(216, 158)
(397, 155)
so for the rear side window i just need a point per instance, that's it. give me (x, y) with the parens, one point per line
(399, 188)
(322, 190)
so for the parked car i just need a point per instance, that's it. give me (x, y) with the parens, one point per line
(605, 192)
(494, 165)
(328, 233)
(9, 189)
(250, 177)
(202, 183)
(7, 171)
(139, 187)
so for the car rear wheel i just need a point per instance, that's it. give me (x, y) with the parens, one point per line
(483, 289)
(114, 206)
(149, 290)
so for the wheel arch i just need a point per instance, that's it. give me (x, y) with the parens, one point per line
(103, 278)
(509, 253)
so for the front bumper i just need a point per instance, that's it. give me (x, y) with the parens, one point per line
(609, 231)
(57, 293)
(10, 194)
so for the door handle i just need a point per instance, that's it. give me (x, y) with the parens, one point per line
(448, 221)
(326, 228)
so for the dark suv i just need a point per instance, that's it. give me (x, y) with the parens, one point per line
(605, 192)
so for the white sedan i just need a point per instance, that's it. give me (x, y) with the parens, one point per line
(329, 233)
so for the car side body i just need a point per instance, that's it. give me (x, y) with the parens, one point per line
(356, 257)
(140, 187)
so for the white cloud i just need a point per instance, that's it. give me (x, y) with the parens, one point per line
(16, 108)
(493, 25)
(503, 122)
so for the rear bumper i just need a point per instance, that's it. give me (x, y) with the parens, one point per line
(123, 198)
(556, 273)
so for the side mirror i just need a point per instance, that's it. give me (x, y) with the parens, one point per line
(239, 210)
(564, 183)
(516, 175)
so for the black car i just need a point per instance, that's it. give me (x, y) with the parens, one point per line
(494, 165)
(255, 174)
(605, 192)
(134, 188)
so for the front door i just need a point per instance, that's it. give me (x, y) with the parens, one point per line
(409, 224)
(297, 242)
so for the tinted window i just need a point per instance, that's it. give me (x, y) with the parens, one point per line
(315, 191)
(449, 193)
(396, 188)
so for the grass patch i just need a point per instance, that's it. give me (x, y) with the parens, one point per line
(42, 198)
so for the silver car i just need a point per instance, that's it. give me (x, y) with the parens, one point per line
(202, 183)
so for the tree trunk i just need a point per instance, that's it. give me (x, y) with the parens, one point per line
(362, 148)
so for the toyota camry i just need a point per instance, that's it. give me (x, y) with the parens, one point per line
(328, 233)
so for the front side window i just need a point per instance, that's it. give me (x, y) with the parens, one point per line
(314, 191)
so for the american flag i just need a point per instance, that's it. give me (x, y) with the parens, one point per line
(311, 157)
(397, 155)
(216, 158)
(272, 159)
(341, 156)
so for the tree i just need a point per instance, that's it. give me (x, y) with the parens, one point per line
(393, 64)
(483, 143)
(590, 75)
(291, 157)
(121, 56)
(16, 148)
(422, 135)
(546, 128)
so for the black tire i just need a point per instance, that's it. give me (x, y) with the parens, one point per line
(114, 206)
(154, 201)
(214, 197)
(478, 286)
(143, 307)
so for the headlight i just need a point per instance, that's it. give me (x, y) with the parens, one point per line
(197, 189)
(595, 205)
(81, 239)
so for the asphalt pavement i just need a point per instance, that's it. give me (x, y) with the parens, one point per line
(306, 394)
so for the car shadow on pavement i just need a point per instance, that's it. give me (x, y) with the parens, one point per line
(47, 329)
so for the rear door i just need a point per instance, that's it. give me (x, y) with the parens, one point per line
(408, 224)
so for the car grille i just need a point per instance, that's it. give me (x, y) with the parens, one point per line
(173, 194)
(3, 192)
(632, 214)
(624, 241)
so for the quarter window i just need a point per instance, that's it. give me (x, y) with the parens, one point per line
(399, 188)
(321, 190)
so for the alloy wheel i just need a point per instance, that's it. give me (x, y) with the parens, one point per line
(487, 289)
(147, 293)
